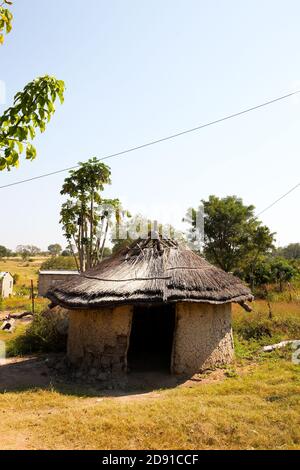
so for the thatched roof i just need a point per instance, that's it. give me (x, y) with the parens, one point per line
(150, 271)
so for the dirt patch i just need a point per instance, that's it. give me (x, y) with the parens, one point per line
(24, 373)
(35, 372)
(13, 440)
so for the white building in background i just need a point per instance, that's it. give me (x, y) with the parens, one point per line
(6, 285)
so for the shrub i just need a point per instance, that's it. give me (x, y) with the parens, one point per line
(22, 291)
(59, 263)
(16, 278)
(256, 330)
(277, 270)
(258, 327)
(46, 333)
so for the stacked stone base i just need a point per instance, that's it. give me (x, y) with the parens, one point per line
(98, 341)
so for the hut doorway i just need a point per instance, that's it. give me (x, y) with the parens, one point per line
(151, 338)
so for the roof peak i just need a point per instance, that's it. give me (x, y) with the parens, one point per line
(154, 241)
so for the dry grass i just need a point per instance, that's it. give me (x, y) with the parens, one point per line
(26, 270)
(23, 304)
(258, 410)
(256, 407)
(279, 308)
(284, 323)
(11, 337)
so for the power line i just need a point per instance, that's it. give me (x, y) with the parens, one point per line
(158, 141)
(279, 199)
(154, 142)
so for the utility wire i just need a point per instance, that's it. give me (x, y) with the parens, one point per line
(279, 199)
(164, 139)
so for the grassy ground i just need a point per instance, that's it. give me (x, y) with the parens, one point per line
(26, 270)
(254, 404)
(22, 304)
(9, 338)
(258, 409)
(257, 329)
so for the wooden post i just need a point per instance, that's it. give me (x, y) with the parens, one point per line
(268, 302)
(32, 296)
(290, 291)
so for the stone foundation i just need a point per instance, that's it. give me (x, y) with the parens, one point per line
(98, 339)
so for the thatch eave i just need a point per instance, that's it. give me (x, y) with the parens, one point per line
(150, 271)
(73, 304)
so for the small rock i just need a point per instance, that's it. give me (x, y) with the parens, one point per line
(60, 366)
(102, 376)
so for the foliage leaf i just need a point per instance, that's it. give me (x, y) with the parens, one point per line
(32, 110)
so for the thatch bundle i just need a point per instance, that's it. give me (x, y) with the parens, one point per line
(150, 271)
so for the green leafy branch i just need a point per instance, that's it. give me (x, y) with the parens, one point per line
(32, 110)
(6, 18)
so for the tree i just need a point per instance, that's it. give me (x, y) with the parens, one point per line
(292, 251)
(233, 237)
(282, 271)
(32, 109)
(55, 249)
(272, 270)
(86, 216)
(6, 18)
(261, 275)
(4, 252)
(59, 263)
(25, 251)
(66, 253)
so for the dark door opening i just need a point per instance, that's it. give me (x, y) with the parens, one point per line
(151, 339)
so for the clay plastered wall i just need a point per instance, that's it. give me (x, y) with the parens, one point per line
(203, 337)
(99, 338)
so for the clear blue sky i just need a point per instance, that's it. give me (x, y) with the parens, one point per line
(137, 70)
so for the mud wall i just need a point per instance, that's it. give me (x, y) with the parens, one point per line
(99, 339)
(203, 337)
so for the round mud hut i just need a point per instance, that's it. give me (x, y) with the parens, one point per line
(153, 305)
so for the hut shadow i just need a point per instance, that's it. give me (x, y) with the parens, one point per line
(23, 374)
(29, 374)
(122, 386)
